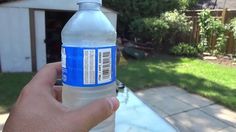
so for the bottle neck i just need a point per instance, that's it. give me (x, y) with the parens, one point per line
(89, 6)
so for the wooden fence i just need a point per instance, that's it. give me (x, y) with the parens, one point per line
(225, 16)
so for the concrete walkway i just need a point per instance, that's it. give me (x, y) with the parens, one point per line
(189, 112)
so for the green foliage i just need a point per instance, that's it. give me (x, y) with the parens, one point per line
(165, 31)
(177, 21)
(149, 29)
(130, 10)
(179, 27)
(204, 21)
(184, 4)
(232, 26)
(211, 26)
(184, 50)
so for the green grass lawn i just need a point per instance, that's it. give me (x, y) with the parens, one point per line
(214, 81)
(10, 87)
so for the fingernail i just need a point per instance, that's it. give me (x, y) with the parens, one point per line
(114, 103)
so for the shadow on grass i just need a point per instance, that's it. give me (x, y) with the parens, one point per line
(139, 75)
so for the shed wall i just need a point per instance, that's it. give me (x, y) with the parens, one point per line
(15, 41)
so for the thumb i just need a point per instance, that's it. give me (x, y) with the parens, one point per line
(89, 116)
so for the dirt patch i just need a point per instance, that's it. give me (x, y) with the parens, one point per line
(224, 60)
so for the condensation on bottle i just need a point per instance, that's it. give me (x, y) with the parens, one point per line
(89, 59)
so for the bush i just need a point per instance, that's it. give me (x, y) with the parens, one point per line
(177, 21)
(149, 29)
(130, 10)
(179, 28)
(168, 30)
(184, 50)
(211, 26)
(232, 26)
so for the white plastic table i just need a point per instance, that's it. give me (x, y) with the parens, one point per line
(134, 116)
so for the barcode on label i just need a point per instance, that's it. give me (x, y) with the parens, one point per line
(89, 67)
(104, 65)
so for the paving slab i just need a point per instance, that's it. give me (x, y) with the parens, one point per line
(189, 112)
(171, 105)
(180, 127)
(162, 91)
(195, 100)
(163, 101)
(221, 113)
(169, 91)
(228, 129)
(158, 110)
(148, 96)
(198, 121)
(155, 95)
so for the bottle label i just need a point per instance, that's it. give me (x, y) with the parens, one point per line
(88, 67)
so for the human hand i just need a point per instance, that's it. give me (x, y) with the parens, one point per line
(39, 108)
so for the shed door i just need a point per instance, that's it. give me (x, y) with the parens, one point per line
(39, 38)
(15, 42)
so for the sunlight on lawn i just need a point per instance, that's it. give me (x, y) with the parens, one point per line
(214, 81)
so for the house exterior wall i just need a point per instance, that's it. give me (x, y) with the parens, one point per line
(15, 48)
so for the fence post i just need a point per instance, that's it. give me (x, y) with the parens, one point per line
(224, 15)
(230, 44)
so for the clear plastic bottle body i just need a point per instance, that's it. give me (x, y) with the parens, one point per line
(89, 28)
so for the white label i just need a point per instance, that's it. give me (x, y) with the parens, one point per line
(104, 65)
(89, 67)
(63, 57)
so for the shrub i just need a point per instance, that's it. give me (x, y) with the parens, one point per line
(149, 29)
(177, 21)
(184, 49)
(211, 26)
(179, 28)
(232, 26)
(167, 30)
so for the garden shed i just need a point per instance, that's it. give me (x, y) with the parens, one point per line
(30, 32)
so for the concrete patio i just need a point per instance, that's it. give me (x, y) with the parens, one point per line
(189, 112)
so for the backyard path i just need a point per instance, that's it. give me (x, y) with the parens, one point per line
(189, 112)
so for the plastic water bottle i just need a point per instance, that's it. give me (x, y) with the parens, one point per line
(89, 59)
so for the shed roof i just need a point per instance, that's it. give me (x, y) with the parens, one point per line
(231, 4)
(69, 5)
(218, 4)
